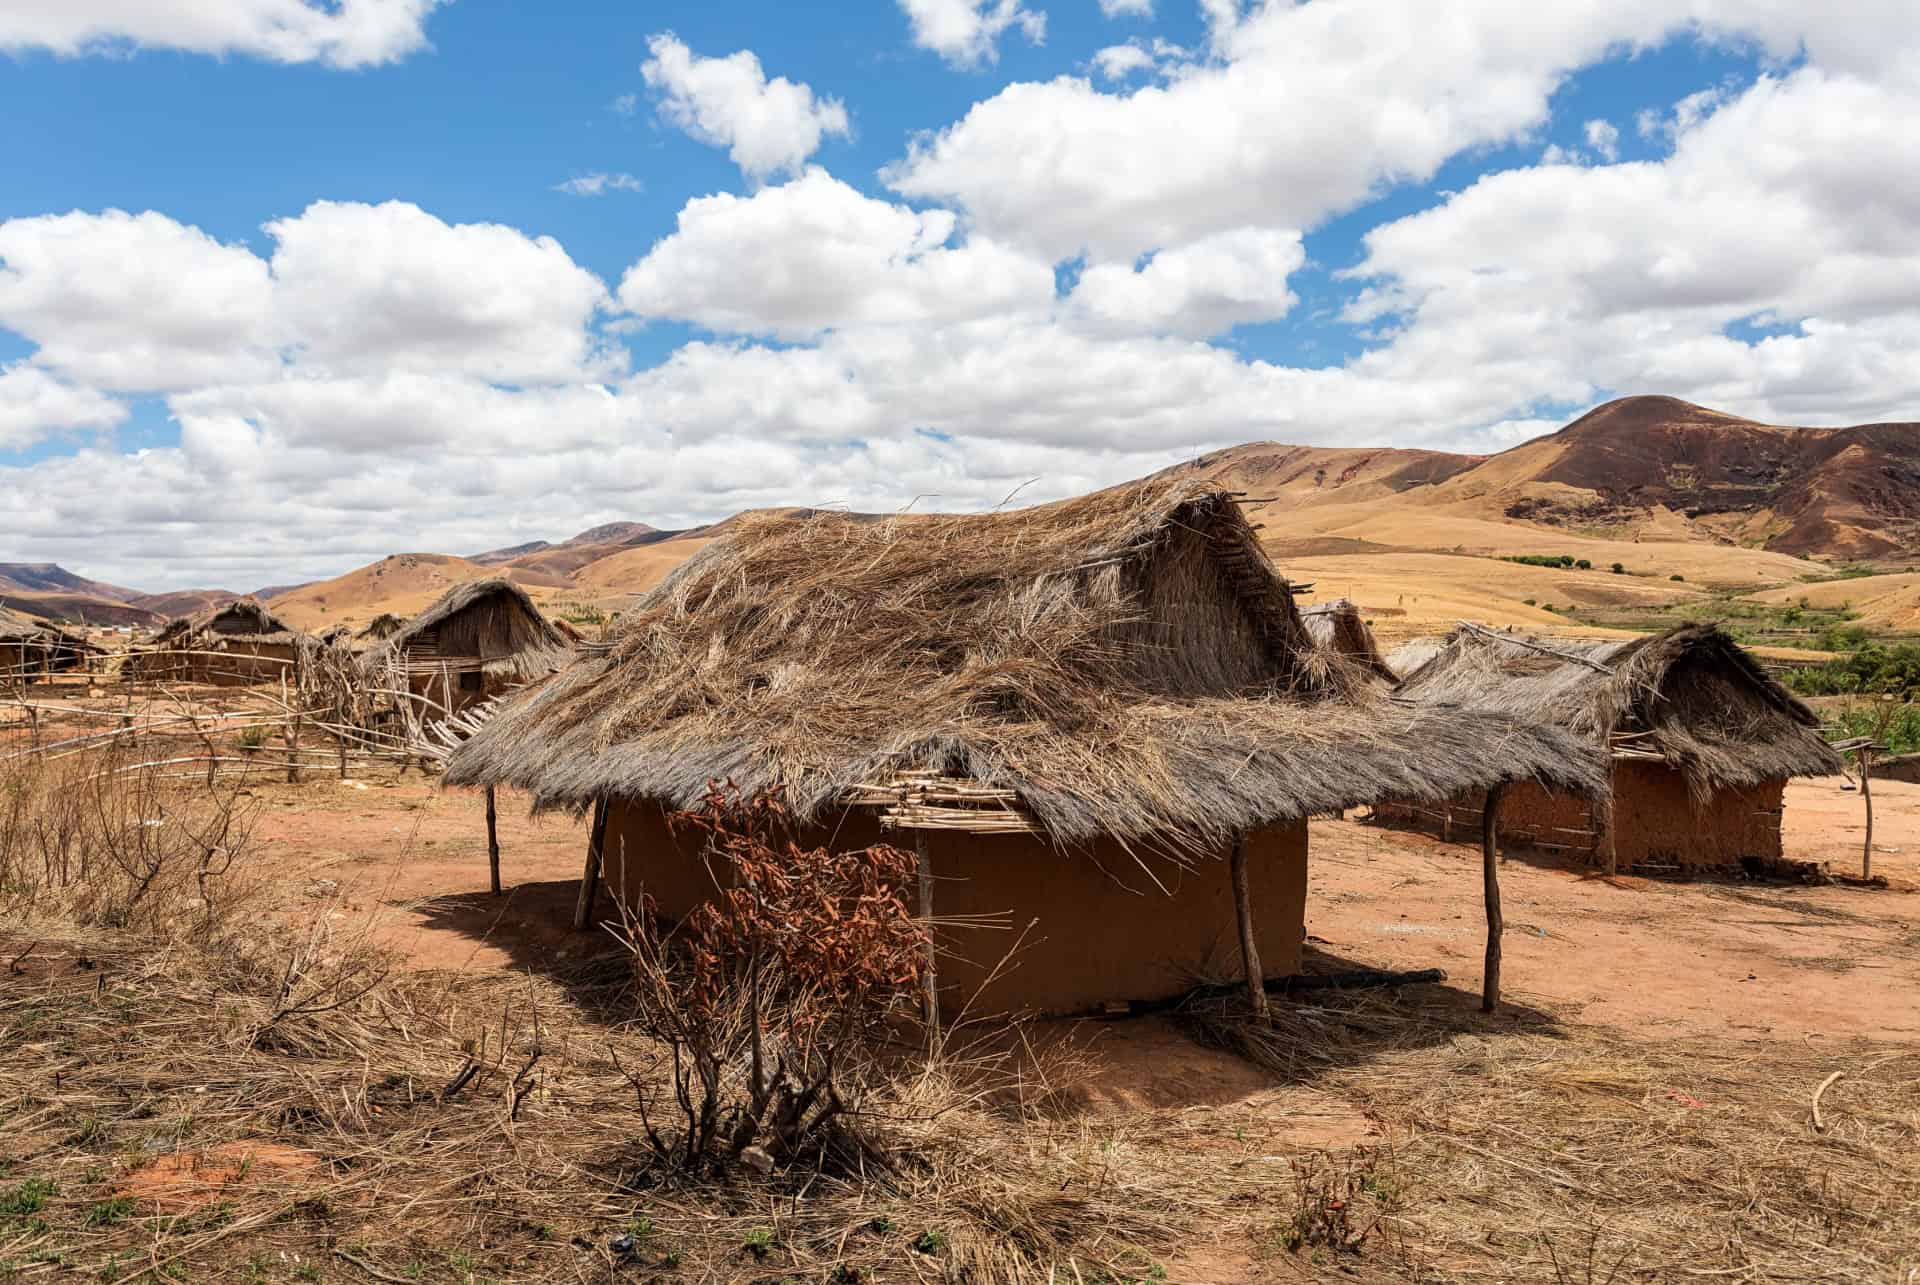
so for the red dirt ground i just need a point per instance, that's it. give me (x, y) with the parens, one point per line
(1649, 957)
(1734, 960)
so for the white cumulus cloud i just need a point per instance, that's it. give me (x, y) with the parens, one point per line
(767, 126)
(1308, 110)
(1127, 8)
(966, 33)
(346, 33)
(135, 301)
(1196, 290)
(814, 254)
(34, 405)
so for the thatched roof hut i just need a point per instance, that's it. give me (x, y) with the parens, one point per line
(242, 620)
(1051, 701)
(30, 646)
(486, 627)
(1701, 737)
(1338, 627)
(380, 628)
(1126, 664)
(237, 643)
(1691, 697)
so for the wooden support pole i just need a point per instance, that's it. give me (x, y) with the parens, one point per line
(1249, 948)
(1490, 875)
(493, 843)
(590, 877)
(1866, 796)
(930, 1000)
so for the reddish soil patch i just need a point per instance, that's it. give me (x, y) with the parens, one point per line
(186, 1180)
(1652, 957)
(406, 862)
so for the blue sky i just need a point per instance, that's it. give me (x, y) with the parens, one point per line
(350, 305)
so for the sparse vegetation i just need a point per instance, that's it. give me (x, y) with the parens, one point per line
(1871, 669)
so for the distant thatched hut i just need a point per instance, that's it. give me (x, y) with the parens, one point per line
(379, 629)
(1338, 626)
(31, 649)
(238, 644)
(1702, 740)
(1074, 712)
(478, 640)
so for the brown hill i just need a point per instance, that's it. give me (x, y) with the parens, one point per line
(80, 609)
(556, 563)
(50, 577)
(404, 584)
(1833, 493)
(184, 602)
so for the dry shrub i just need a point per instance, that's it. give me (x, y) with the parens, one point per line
(772, 997)
(108, 841)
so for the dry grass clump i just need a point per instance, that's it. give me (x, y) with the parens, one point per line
(477, 1128)
(106, 840)
(1525, 1151)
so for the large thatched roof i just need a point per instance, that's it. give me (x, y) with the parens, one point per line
(242, 620)
(1127, 663)
(1339, 627)
(1692, 697)
(489, 625)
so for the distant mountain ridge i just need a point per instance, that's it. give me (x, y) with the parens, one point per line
(1643, 468)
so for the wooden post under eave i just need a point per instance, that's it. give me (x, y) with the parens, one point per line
(930, 1000)
(493, 843)
(1249, 948)
(590, 877)
(1866, 796)
(1490, 875)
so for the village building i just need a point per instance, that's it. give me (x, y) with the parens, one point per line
(32, 649)
(238, 644)
(379, 629)
(477, 640)
(1101, 724)
(1702, 741)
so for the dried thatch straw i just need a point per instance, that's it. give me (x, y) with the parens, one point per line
(1338, 626)
(242, 620)
(1128, 664)
(380, 628)
(489, 626)
(28, 644)
(1692, 695)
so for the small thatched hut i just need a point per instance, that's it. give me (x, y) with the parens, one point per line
(1701, 737)
(1075, 713)
(477, 641)
(238, 644)
(1339, 627)
(31, 649)
(380, 628)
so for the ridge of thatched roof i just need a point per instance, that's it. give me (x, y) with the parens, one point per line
(1126, 663)
(487, 625)
(243, 619)
(1692, 696)
(1413, 653)
(1339, 626)
(380, 628)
